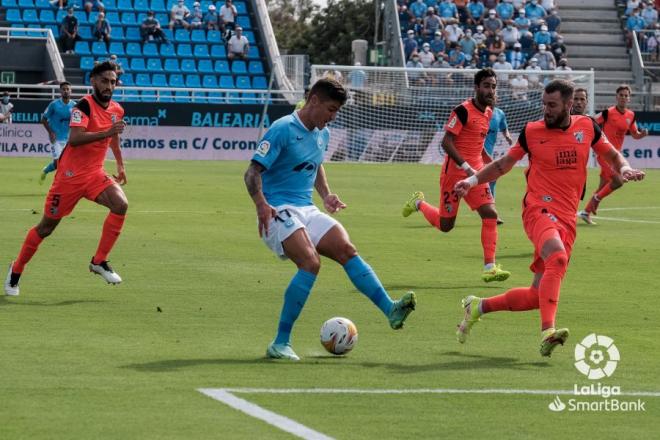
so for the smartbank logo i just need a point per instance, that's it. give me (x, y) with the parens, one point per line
(596, 357)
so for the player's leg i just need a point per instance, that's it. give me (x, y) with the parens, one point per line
(481, 199)
(609, 182)
(442, 217)
(115, 200)
(336, 245)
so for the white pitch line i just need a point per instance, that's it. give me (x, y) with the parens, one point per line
(251, 409)
(629, 208)
(626, 220)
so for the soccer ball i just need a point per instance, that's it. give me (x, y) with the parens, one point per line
(339, 335)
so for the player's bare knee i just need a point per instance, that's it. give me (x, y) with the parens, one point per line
(311, 264)
(120, 207)
(347, 252)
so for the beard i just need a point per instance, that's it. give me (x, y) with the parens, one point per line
(100, 97)
(556, 122)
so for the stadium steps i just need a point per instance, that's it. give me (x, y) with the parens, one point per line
(72, 71)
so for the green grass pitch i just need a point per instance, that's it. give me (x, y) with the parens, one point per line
(84, 360)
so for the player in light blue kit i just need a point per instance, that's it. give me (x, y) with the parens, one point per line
(280, 179)
(497, 124)
(56, 120)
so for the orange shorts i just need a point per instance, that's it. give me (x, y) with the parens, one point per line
(536, 222)
(478, 196)
(66, 191)
(606, 171)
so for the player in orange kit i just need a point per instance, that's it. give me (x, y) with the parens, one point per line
(616, 122)
(558, 150)
(96, 123)
(464, 143)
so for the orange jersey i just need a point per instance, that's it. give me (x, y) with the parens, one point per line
(558, 160)
(616, 124)
(469, 125)
(88, 158)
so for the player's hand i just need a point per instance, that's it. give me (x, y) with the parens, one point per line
(645, 132)
(462, 187)
(332, 203)
(265, 212)
(117, 128)
(632, 175)
(51, 137)
(120, 178)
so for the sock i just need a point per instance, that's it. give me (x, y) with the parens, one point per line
(517, 299)
(555, 269)
(30, 246)
(604, 192)
(52, 166)
(492, 187)
(489, 239)
(295, 297)
(431, 213)
(366, 281)
(111, 229)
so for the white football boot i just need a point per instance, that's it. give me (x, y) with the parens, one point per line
(104, 269)
(11, 289)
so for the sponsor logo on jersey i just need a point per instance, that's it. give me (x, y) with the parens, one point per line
(76, 117)
(263, 148)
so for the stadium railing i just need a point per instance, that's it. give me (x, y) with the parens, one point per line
(642, 76)
(9, 34)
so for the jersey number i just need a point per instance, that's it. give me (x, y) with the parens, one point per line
(446, 196)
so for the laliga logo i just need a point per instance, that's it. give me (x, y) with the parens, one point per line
(603, 356)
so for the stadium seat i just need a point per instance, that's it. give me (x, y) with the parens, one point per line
(125, 65)
(205, 66)
(137, 65)
(238, 66)
(85, 32)
(198, 97)
(61, 13)
(188, 66)
(124, 5)
(92, 17)
(182, 36)
(181, 96)
(184, 50)
(193, 81)
(253, 53)
(172, 65)
(221, 66)
(167, 50)
(232, 98)
(86, 79)
(168, 32)
(218, 51)
(176, 80)
(116, 33)
(110, 5)
(99, 48)
(248, 98)
(47, 16)
(133, 50)
(131, 96)
(128, 19)
(116, 48)
(243, 82)
(9, 4)
(241, 8)
(26, 4)
(158, 6)
(81, 16)
(30, 16)
(14, 16)
(42, 4)
(86, 63)
(201, 51)
(35, 33)
(164, 19)
(214, 37)
(244, 22)
(148, 96)
(133, 34)
(113, 19)
(256, 68)
(216, 97)
(159, 80)
(259, 82)
(154, 65)
(198, 36)
(226, 82)
(250, 37)
(55, 28)
(141, 6)
(16, 33)
(82, 48)
(150, 50)
(127, 79)
(143, 80)
(210, 82)
(165, 96)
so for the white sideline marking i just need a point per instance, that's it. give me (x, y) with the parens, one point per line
(626, 220)
(629, 208)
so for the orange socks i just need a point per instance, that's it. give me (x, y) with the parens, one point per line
(111, 230)
(555, 269)
(517, 299)
(489, 239)
(431, 213)
(30, 246)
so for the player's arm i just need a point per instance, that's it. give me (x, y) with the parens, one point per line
(490, 172)
(450, 148)
(115, 146)
(614, 158)
(637, 133)
(44, 122)
(253, 183)
(331, 201)
(80, 136)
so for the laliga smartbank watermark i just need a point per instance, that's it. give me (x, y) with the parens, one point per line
(596, 357)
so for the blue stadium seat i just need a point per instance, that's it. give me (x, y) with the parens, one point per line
(214, 37)
(82, 48)
(210, 82)
(143, 80)
(255, 68)
(259, 82)
(243, 82)
(113, 18)
(253, 53)
(131, 96)
(198, 36)
(137, 65)
(205, 66)
(141, 16)
(241, 7)
(182, 36)
(150, 50)
(133, 34)
(81, 16)
(91, 18)
(244, 22)
(124, 5)
(216, 97)
(85, 32)
(14, 16)
(110, 5)
(232, 98)
(184, 50)
(158, 6)
(154, 65)
(17, 33)
(172, 65)
(55, 28)
(35, 33)
(218, 51)
(42, 4)
(26, 4)
(127, 79)
(176, 80)
(167, 50)
(141, 5)
(238, 66)
(125, 65)
(133, 50)
(250, 37)
(128, 19)
(86, 63)
(193, 81)
(165, 96)
(159, 80)
(198, 97)
(47, 16)
(167, 31)
(221, 66)
(226, 82)
(99, 48)
(201, 51)
(248, 98)
(116, 33)
(116, 48)
(164, 19)
(30, 16)
(61, 13)
(181, 96)
(188, 66)
(76, 4)
(9, 4)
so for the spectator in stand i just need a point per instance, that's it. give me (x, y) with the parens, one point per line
(178, 15)
(653, 46)
(454, 32)
(518, 4)
(212, 21)
(527, 44)
(410, 44)
(468, 46)
(418, 8)
(519, 86)
(228, 14)
(94, 4)
(631, 5)
(150, 29)
(633, 23)
(510, 35)
(490, 4)
(505, 11)
(456, 57)
(69, 31)
(461, 5)
(405, 17)
(426, 57)
(6, 108)
(438, 45)
(502, 64)
(495, 48)
(548, 5)
(545, 59)
(522, 22)
(333, 73)
(649, 14)
(357, 77)
(554, 22)
(563, 65)
(535, 13)
(492, 24)
(432, 23)
(238, 45)
(480, 37)
(533, 80)
(558, 48)
(113, 59)
(542, 37)
(414, 63)
(196, 17)
(59, 4)
(475, 13)
(517, 57)
(447, 11)
(102, 28)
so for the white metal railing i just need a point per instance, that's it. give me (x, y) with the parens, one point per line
(637, 63)
(7, 34)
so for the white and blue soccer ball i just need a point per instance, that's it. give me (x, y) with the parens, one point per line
(339, 335)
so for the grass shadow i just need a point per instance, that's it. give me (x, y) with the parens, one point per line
(4, 301)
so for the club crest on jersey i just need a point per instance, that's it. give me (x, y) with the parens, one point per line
(319, 143)
(452, 122)
(263, 148)
(627, 121)
(579, 136)
(76, 116)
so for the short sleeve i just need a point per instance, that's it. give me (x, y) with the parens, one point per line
(80, 114)
(270, 146)
(49, 111)
(457, 119)
(503, 124)
(600, 143)
(521, 148)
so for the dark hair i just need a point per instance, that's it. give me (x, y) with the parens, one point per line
(327, 88)
(624, 87)
(565, 88)
(483, 74)
(103, 67)
(581, 89)
(64, 83)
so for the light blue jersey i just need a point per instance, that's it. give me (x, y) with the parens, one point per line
(497, 124)
(58, 115)
(291, 155)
